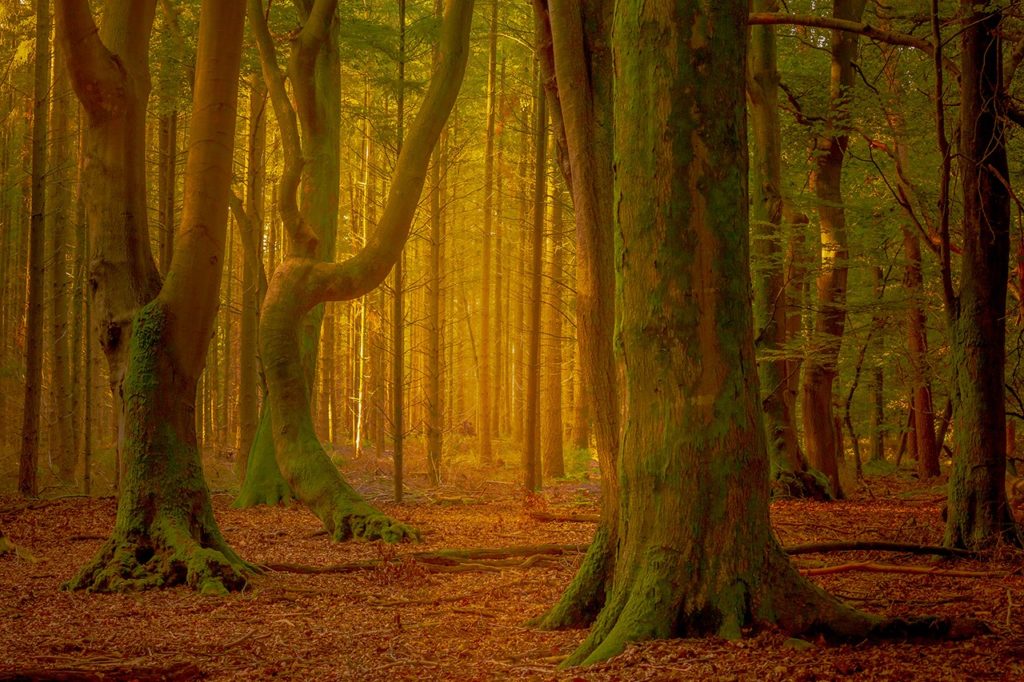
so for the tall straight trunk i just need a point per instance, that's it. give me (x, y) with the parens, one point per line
(790, 470)
(577, 60)
(62, 451)
(253, 276)
(435, 406)
(551, 350)
(497, 387)
(397, 311)
(877, 440)
(167, 126)
(519, 325)
(165, 532)
(368, 205)
(531, 450)
(81, 348)
(822, 363)
(485, 384)
(978, 512)
(581, 399)
(29, 460)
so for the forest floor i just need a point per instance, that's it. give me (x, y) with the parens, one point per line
(405, 619)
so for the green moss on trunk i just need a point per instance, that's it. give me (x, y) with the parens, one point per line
(263, 483)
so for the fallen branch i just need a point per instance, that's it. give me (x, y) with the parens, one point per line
(564, 518)
(869, 567)
(491, 554)
(173, 672)
(873, 546)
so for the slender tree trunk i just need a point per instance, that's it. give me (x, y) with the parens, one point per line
(435, 406)
(531, 450)
(484, 419)
(978, 512)
(29, 460)
(398, 284)
(821, 365)
(551, 402)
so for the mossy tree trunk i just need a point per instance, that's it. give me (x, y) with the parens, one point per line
(165, 533)
(789, 465)
(311, 181)
(978, 512)
(575, 54)
(822, 364)
(302, 281)
(696, 553)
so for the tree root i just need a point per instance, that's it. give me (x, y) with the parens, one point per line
(582, 601)
(358, 520)
(872, 546)
(870, 567)
(805, 485)
(162, 558)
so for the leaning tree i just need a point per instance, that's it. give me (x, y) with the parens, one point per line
(696, 554)
(165, 532)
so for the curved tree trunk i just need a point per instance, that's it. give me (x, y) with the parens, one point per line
(165, 533)
(696, 553)
(303, 282)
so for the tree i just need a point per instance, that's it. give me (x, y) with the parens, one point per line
(978, 512)
(551, 351)
(303, 281)
(771, 309)
(574, 49)
(165, 532)
(696, 552)
(486, 388)
(29, 459)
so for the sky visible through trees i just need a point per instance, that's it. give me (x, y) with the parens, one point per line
(554, 328)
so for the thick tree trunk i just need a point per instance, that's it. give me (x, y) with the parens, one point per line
(696, 554)
(790, 470)
(28, 462)
(978, 512)
(165, 533)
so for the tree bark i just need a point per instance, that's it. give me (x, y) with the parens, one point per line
(551, 324)
(821, 365)
(484, 419)
(978, 512)
(165, 533)
(28, 462)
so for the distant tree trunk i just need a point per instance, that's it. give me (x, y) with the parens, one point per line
(551, 350)
(29, 461)
(821, 365)
(978, 512)
(254, 284)
(397, 310)
(531, 450)
(167, 184)
(519, 323)
(877, 374)
(81, 346)
(165, 533)
(789, 465)
(484, 419)
(435, 404)
(696, 554)
(497, 392)
(581, 399)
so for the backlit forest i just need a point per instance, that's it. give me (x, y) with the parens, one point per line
(546, 339)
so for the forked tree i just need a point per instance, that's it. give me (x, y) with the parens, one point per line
(165, 532)
(696, 553)
(303, 281)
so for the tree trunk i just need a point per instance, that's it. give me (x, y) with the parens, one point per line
(435, 405)
(696, 554)
(397, 310)
(531, 449)
(551, 350)
(165, 533)
(821, 365)
(29, 460)
(576, 55)
(789, 470)
(484, 419)
(978, 512)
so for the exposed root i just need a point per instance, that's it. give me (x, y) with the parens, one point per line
(872, 546)
(358, 520)
(805, 485)
(162, 559)
(870, 567)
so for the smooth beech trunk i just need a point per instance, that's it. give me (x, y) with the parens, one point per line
(302, 281)
(575, 53)
(165, 533)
